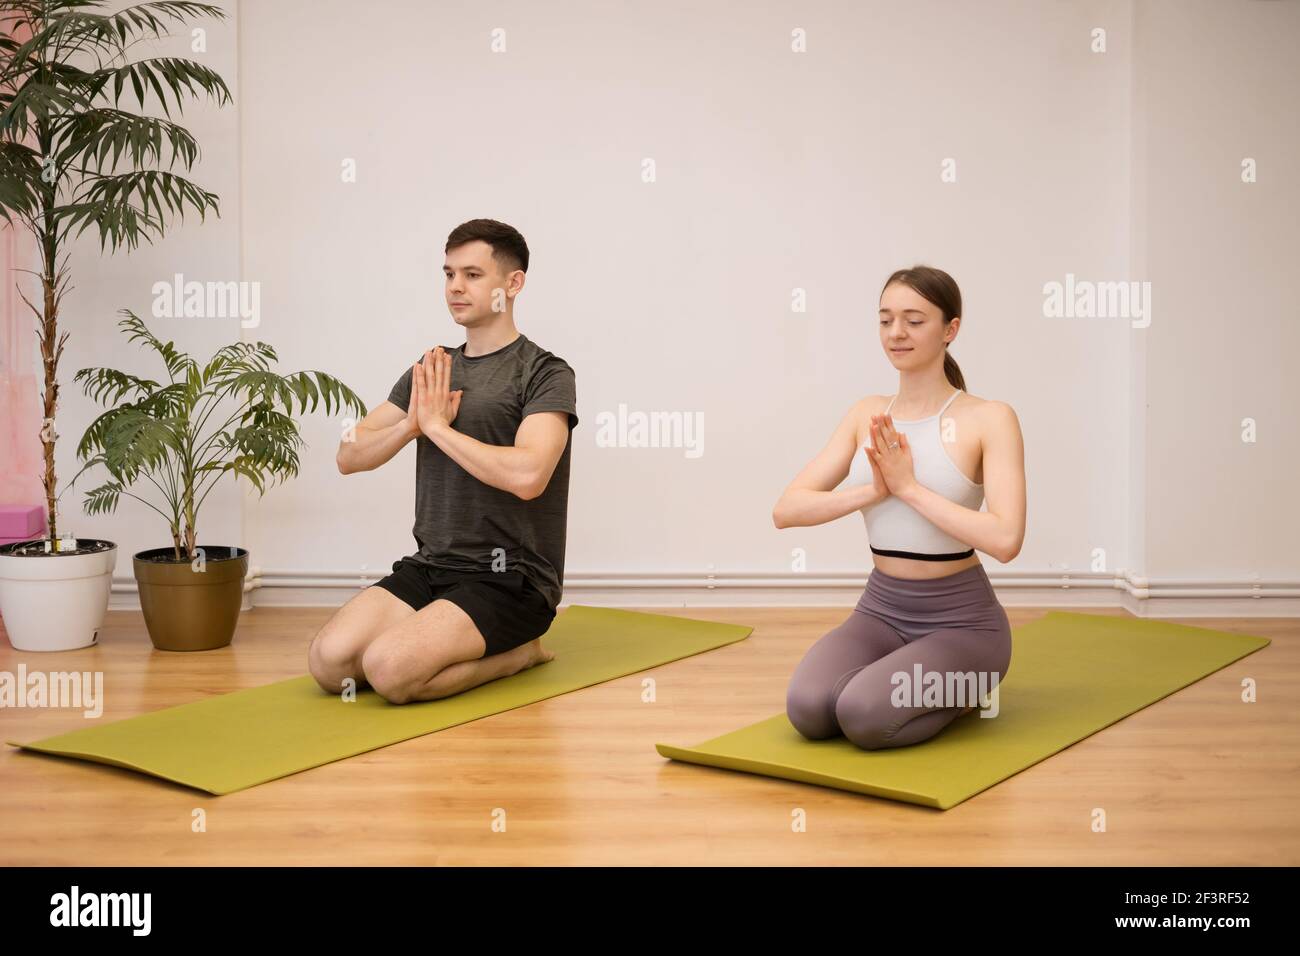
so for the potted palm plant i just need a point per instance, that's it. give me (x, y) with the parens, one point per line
(73, 156)
(191, 594)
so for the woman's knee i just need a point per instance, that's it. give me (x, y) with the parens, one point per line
(867, 722)
(862, 725)
(869, 725)
(810, 710)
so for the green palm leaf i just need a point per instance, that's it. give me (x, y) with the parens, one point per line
(104, 135)
(119, 205)
(160, 434)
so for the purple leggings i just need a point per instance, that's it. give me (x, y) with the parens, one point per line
(867, 679)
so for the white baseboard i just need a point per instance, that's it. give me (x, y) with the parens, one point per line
(1140, 596)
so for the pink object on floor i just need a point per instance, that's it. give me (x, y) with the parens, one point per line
(21, 522)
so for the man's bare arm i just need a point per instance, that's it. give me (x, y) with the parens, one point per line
(377, 438)
(524, 469)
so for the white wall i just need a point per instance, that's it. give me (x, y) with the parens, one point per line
(777, 171)
(1222, 83)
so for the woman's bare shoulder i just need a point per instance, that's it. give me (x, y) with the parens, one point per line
(865, 407)
(870, 405)
(989, 413)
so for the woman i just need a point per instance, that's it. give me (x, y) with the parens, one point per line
(928, 615)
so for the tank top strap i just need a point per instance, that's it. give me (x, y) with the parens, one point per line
(941, 411)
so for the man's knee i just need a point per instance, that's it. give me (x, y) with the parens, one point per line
(387, 673)
(331, 659)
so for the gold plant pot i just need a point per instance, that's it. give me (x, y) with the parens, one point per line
(191, 605)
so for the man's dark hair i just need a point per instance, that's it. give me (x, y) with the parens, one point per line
(508, 246)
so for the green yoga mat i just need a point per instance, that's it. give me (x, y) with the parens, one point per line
(238, 740)
(1070, 676)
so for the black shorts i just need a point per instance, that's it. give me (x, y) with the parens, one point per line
(504, 605)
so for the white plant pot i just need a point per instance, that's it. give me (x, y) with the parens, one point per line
(55, 602)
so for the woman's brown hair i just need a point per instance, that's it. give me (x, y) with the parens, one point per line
(938, 288)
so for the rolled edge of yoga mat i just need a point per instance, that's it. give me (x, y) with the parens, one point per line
(694, 755)
(110, 762)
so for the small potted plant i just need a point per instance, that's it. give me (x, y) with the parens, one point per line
(191, 594)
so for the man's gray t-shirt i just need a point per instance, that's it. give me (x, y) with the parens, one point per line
(463, 524)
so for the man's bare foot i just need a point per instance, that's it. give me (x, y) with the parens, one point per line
(532, 654)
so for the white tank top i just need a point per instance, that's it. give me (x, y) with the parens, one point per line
(896, 528)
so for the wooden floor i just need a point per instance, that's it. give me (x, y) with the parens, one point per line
(1189, 780)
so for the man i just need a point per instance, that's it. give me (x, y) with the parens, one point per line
(491, 419)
